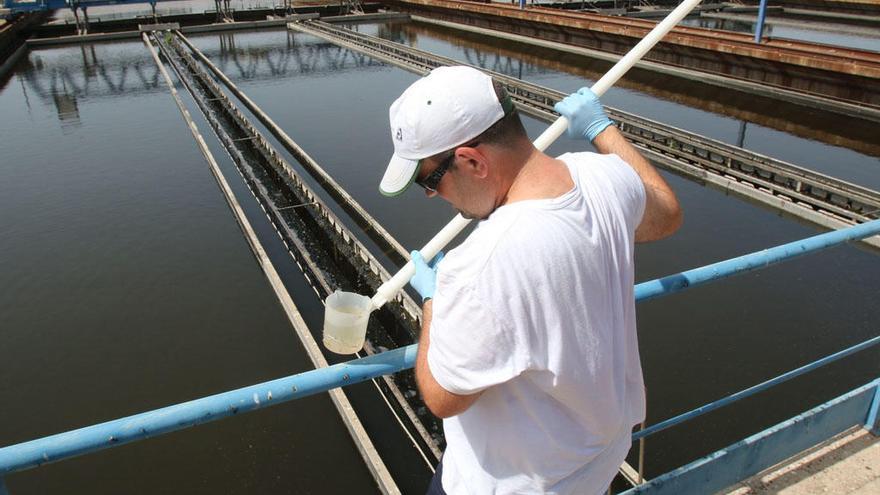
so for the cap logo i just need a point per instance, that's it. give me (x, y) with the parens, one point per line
(399, 134)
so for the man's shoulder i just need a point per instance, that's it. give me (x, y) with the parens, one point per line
(483, 246)
(595, 163)
(514, 242)
(608, 179)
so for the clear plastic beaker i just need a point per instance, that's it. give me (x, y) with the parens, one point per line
(345, 321)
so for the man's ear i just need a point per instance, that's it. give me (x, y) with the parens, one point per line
(473, 160)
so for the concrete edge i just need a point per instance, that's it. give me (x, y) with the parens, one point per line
(164, 26)
(835, 455)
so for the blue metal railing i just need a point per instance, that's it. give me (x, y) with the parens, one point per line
(760, 259)
(749, 456)
(742, 394)
(145, 425)
(179, 416)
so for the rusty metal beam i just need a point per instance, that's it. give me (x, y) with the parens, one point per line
(845, 60)
(781, 115)
(854, 70)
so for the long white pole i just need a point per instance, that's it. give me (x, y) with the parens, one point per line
(387, 290)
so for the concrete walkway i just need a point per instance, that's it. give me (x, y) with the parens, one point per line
(846, 464)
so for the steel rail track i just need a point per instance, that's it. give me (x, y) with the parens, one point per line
(327, 253)
(818, 198)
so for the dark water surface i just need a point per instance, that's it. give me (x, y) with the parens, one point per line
(130, 286)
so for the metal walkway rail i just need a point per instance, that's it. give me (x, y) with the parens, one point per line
(796, 191)
(327, 252)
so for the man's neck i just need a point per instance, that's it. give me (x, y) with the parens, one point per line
(539, 177)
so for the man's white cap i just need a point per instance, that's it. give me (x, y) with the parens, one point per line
(440, 111)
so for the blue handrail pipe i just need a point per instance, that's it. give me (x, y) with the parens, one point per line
(179, 416)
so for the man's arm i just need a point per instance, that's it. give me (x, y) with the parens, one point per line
(441, 402)
(663, 215)
(587, 119)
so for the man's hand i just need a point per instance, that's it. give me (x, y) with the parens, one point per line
(586, 117)
(425, 279)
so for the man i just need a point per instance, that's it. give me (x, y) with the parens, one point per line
(528, 347)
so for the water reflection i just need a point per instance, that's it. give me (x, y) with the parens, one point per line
(297, 56)
(406, 33)
(68, 110)
(390, 31)
(726, 25)
(63, 77)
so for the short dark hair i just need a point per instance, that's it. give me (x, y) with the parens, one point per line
(509, 128)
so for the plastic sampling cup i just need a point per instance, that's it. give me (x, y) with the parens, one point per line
(345, 322)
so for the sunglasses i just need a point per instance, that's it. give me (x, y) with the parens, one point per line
(432, 181)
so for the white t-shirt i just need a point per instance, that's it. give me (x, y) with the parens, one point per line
(536, 310)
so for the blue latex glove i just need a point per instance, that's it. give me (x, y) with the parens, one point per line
(586, 117)
(425, 279)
